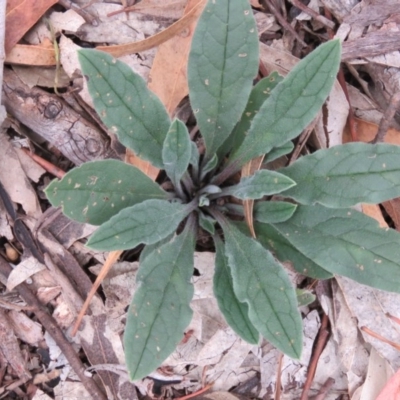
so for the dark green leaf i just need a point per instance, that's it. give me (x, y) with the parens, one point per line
(345, 175)
(260, 184)
(147, 223)
(160, 311)
(273, 211)
(293, 103)
(98, 190)
(177, 151)
(235, 312)
(263, 284)
(348, 243)
(272, 240)
(280, 151)
(222, 64)
(148, 249)
(126, 105)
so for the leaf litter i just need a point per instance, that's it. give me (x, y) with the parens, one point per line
(210, 351)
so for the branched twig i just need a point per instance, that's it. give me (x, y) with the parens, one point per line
(314, 14)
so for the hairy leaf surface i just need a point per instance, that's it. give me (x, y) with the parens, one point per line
(177, 151)
(260, 184)
(147, 223)
(284, 250)
(126, 105)
(222, 64)
(97, 190)
(345, 175)
(263, 284)
(346, 242)
(293, 103)
(160, 310)
(234, 311)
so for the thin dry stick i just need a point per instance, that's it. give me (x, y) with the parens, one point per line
(380, 337)
(314, 14)
(321, 342)
(2, 53)
(387, 118)
(282, 21)
(50, 325)
(278, 378)
(325, 389)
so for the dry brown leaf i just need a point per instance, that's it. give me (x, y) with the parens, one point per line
(24, 54)
(155, 40)
(158, 8)
(168, 74)
(392, 207)
(373, 211)
(366, 131)
(21, 16)
(249, 169)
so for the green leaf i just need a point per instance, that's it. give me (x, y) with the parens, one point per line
(273, 211)
(147, 223)
(160, 311)
(263, 284)
(277, 152)
(222, 64)
(261, 91)
(97, 190)
(278, 244)
(207, 223)
(304, 297)
(210, 165)
(348, 243)
(292, 105)
(194, 156)
(177, 151)
(148, 249)
(260, 184)
(234, 311)
(126, 105)
(345, 175)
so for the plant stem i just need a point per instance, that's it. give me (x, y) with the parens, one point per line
(226, 173)
(188, 183)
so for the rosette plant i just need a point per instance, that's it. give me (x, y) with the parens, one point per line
(309, 223)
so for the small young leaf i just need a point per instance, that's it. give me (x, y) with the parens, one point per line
(126, 105)
(348, 243)
(222, 64)
(207, 223)
(210, 165)
(194, 155)
(177, 151)
(304, 297)
(292, 105)
(160, 311)
(273, 211)
(272, 240)
(260, 184)
(263, 284)
(235, 312)
(147, 223)
(345, 175)
(258, 95)
(97, 190)
(277, 152)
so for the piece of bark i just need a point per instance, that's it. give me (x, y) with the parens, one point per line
(50, 117)
(372, 44)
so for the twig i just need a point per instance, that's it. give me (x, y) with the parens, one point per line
(282, 21)
(325, 389)
(2, 54)
(319, 347)
(387, 118)
(314, 14)
(278, 382)
(380, 337)
(50, 325)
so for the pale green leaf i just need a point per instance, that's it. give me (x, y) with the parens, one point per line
(348, 243)
(126, 105)
(263, 284)
(304, 297)
(234, 311)
(260, 184)
(222, 64)
(345, 175)
(160, 311)
(97, 190)
(277, 152)
(278, 244)
(273, 211)
(292, 105)
(147, 223)
(177, 151)
(207, 223)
